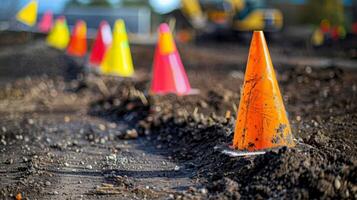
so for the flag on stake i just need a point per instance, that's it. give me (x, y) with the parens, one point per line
(117, 59)
(59, 34)
(101, 43)
(169, 75)
(262, 121)
(46, 22)
(78, 43)
(28, 14)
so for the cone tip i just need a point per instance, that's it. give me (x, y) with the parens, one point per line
(61, 18)
(120, 25)
(164, 28)
(103, 23)
(80, 22)
(119, 22)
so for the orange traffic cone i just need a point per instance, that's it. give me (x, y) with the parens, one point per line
(169, 75)
(78, 43)
(262, 122)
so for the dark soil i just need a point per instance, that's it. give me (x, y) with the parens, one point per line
(66, 134)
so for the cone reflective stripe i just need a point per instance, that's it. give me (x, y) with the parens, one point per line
(28, 14)
(59, 34)
(169, 75)
(262, 121)
(117, 60)
(46, 22)
(101, 43)
(78, 43)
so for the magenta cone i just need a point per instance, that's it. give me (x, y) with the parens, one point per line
(169, 75)
(46, 22)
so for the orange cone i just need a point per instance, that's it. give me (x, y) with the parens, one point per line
(262, 122)
(78, 42)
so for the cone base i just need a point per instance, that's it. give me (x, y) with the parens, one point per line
(192, 91)
(231, 152)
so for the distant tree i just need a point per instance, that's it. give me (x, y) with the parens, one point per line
(317, 10)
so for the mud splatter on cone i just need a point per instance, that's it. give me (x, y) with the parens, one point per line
(28, 14)
(46, 22)
(59, 34)
(262, 122)
(78, 43)
(117, 60)
(169, 75)
(101, 44)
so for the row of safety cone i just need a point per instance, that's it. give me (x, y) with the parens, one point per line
(111, 54)
(262, 121)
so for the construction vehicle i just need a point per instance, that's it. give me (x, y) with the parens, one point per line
(236, 15)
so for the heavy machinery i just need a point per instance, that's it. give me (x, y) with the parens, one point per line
(236, 15)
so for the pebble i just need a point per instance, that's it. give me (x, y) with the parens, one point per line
(10, 161)
(66, 164)
(47, 183)
(67, 119)
(177, 168)
(102, 127)
(112, 157)
(131, 134)
(337, 184)
(203, 191)
(89, 167)
(30, 121)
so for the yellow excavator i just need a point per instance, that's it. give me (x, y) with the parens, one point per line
(236, 15)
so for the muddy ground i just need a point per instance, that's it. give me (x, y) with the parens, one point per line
(67, 134)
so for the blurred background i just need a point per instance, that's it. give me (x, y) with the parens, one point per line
(311, 22)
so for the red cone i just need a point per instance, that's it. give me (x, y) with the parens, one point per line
(169, 75)
(101, 43)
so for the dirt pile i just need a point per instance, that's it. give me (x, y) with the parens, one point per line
(322, 105)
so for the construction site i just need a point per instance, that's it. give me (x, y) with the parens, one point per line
(178, 99)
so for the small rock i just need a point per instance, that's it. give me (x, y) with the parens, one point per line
(131, 134)
(337, 184)
(67, 119)
(9, 161)
(89, 167)
(47, 183)
(102, 127)
(203, 191)
(177, 168)
(66, 164)
(112, 157)
(30, 121)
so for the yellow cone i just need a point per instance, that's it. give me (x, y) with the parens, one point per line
(59, 35)
(117, 60)
(28, 14)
